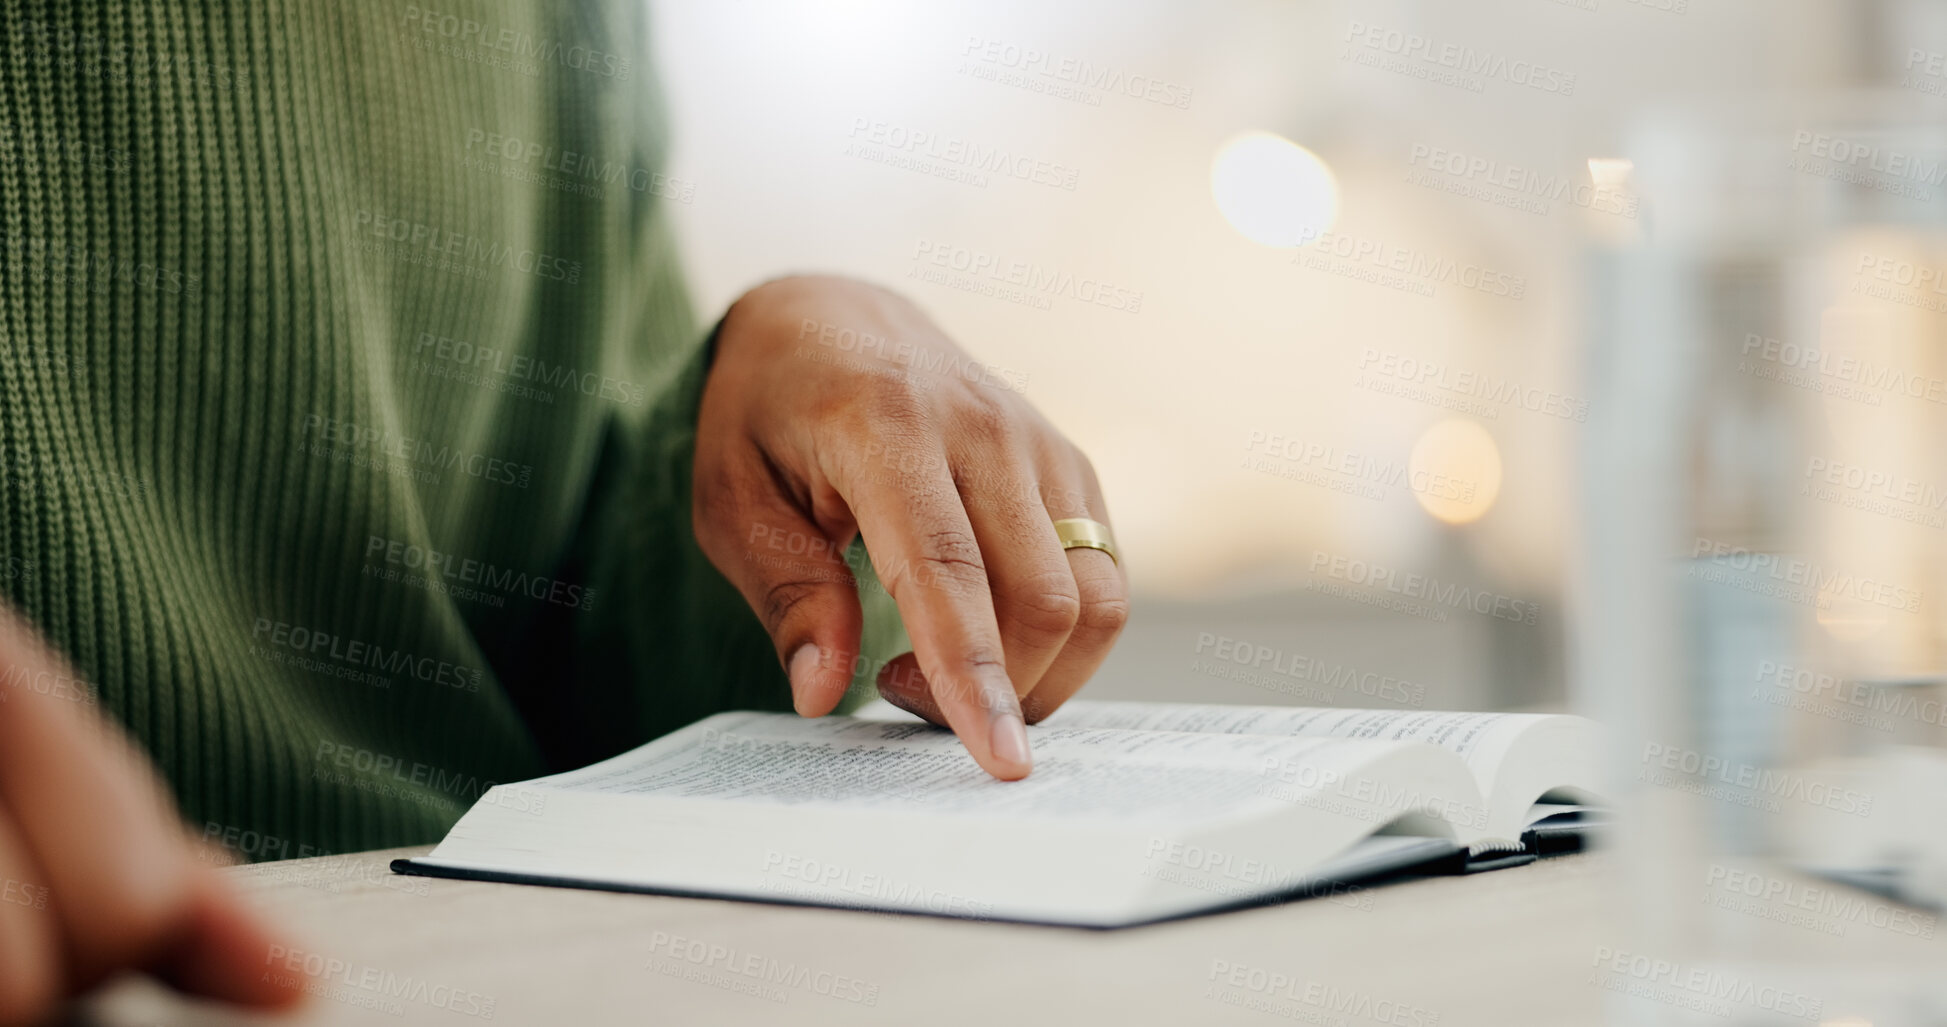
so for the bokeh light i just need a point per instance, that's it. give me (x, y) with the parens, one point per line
(1456, 471)
(1272, 190)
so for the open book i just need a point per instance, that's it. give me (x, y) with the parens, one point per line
(1135, 811)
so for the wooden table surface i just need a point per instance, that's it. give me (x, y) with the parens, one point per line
(1515, 946)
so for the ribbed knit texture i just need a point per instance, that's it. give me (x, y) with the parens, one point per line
(225, 434)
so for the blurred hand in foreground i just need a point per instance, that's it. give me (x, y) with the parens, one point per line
(96, 873)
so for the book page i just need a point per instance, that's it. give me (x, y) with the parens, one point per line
(1515, 758)
(1079, 772)
(1478, 738)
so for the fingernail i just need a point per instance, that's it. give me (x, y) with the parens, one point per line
(1010, 741)
(804, 663)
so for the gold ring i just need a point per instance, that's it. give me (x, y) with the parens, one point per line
(1082, 533)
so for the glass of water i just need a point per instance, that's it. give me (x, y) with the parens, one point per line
(1759, 612)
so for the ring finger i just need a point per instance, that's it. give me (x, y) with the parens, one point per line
(1100, 584)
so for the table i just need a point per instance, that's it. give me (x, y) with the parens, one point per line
(1515, 946)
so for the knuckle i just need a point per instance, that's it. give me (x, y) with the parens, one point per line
(784, 598)
(1083, 465)
(895, 401)
(987, 417)
(971, 676)
(1103, 616)
(948, 559)
(953, 546)
(888, 446)
(1047, 604)
(1066, 501)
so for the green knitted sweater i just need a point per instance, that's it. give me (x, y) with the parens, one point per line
(347, 392)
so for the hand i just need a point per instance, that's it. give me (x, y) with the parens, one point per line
(96, 875)
(836, 408)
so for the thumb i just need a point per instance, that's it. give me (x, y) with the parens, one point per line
(795, 577)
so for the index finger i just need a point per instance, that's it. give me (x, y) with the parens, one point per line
(923, 548)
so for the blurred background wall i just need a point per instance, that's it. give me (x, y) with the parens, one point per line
(1332, 392)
